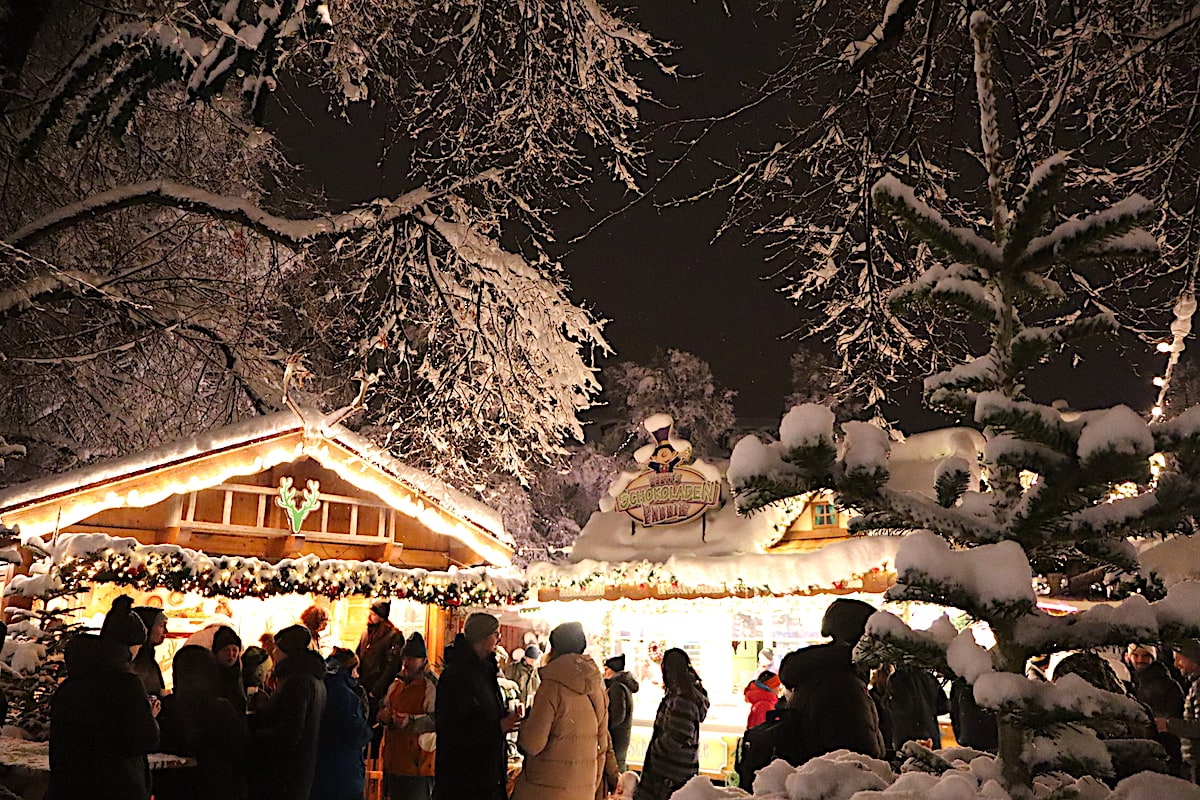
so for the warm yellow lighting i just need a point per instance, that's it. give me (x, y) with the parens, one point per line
(1028, 479)
(1157, 411)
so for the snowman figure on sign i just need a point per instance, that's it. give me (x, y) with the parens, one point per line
(666, 451)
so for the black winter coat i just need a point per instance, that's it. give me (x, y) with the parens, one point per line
(1155, 687)
(101, 726)
(621, 688)
(833, 708)
(471, 759)
(974, 726)
(211, 731)
(379, 657)
(283, 746)
(909, 707)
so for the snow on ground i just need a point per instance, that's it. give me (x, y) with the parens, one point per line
(843, 775)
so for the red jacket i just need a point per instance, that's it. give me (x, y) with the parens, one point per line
(761, 699)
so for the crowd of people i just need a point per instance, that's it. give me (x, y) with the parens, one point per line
(821, 701)
(286, 721)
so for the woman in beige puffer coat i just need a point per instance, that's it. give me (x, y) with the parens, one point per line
(565, 737)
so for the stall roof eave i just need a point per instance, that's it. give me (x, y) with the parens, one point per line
(210, 459)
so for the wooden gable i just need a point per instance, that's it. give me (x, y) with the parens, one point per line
(221, 497)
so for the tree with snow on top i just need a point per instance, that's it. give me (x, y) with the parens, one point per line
(1048, 498)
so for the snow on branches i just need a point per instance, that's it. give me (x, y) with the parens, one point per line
(1046, 501)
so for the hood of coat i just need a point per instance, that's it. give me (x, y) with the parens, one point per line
(306, 662)
(88, 655)
(577, 673)
(819, 658)
(756, 692)
(625, 678)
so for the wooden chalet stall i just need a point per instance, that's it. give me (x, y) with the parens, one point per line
(291, 491)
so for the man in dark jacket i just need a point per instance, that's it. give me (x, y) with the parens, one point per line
(227, 650)
(470, 717)
(283, 747)
(829, 695)
(621, 688)
(101, 721)
(378, 652)
(1154, 686)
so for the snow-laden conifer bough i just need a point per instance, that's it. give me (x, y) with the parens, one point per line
(1048, 504)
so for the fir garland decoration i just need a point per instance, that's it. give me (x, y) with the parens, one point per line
(78, 563)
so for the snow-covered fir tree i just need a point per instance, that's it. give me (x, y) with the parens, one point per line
(1048, 495)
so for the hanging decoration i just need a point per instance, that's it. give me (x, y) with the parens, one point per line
(1181, 327)
(77, 560)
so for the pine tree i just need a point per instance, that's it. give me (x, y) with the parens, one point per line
(35, 661)
(1050, 476)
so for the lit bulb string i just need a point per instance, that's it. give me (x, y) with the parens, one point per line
(236, 577)
(1181, 327)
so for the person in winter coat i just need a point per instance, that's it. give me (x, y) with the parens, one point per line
(198, 722)
(471, 719)
(829, 695)
(315, 619)
(1156, 688)
(672, 756)
(909, 700)
(762, 694)
(621, 688)
(102, 722)
(973, 725)
(341, 766)
(227, 649)
(1187, 728)
(283, 745)
(565, 736)
(523, 671)
(378, 660)
(144, 663)
(407, 714)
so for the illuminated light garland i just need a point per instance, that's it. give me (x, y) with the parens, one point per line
(650, 575)
(1181, 328)
(78, 560)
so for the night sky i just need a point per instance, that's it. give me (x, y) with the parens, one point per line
(654, 269)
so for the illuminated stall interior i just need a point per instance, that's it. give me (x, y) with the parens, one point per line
(272, 489)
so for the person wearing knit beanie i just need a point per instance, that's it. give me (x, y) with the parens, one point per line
(292, 640)
(480, 626)
(382, 609)
(415, 647)
(226, 645)
(102, 723)
(568, 638)
(121, 626)
(616, 663)
(471, 717)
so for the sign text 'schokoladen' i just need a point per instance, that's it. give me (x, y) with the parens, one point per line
(669, 490)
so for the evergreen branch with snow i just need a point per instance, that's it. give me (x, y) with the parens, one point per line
(960, 244)
(1092, 235)
(1036, 205)
(1035, 344)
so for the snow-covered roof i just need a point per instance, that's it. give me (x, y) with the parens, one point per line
(306, 433)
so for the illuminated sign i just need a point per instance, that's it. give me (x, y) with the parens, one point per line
(667, 492)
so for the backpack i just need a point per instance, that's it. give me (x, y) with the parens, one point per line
(781, 736)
